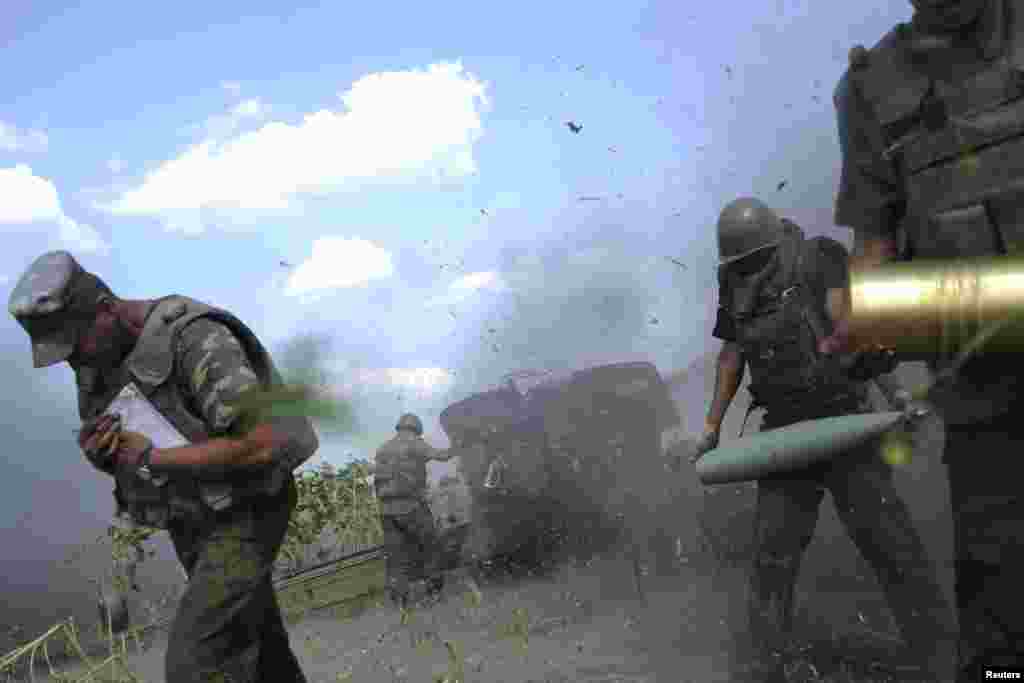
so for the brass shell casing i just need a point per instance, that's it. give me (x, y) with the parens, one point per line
(928, 309)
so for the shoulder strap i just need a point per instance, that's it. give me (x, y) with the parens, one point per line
(804, 262)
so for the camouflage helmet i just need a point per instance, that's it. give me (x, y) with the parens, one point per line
(54, 300)
(410, 422)
(745, 226)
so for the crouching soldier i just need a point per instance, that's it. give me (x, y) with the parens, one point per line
(225, 493)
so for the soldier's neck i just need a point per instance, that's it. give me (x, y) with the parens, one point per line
(133, 314)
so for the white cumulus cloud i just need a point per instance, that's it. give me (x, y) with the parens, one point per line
(339, 263)
(29, 199)
(393, 127)
(222, 126)
(467, 286)
(14, 139)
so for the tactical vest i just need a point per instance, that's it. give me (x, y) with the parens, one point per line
(779, 320)
(400, 471)
(152, 367)
(959, 150)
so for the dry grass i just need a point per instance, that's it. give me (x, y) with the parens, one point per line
(338, 508)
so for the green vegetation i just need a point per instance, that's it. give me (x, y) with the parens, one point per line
(335, 507)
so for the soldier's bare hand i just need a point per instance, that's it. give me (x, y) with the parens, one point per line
(129, 448)
(99, 440)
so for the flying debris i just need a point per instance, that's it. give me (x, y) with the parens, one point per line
(285, 264)
(728, 71)
(678, 263)
(495, 348)
(483, 212)
(574, 127)
(579, 68)
(653, 320)
(491, 330)
(782, 184)
(612, 149)
(677, 214)
(587, 198)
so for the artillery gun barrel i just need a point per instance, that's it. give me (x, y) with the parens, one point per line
(928, 309)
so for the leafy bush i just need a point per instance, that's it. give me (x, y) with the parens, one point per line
(336, 509)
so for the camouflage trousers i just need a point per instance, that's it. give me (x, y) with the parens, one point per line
(229, 627)
(412, 546)
(879, 524)
(984, 464)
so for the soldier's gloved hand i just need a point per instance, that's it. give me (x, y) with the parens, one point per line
(708, 442)
(99, 439)
(914, 409)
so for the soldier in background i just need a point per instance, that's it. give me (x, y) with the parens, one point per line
(779, 297)
(225, 497)
(930, 127)
(410, 532)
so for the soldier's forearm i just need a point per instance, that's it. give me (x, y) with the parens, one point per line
(214, 456)
(871, 250)
(728, 377)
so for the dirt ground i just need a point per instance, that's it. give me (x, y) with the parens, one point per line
(582, 623)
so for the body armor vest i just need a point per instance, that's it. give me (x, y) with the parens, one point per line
(779, 321)
(151, 366)
(955, 132)
(401, 469)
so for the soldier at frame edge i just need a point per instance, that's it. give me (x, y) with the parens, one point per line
(929, 124)
(225, 498)
(411, 538)
(780, 296)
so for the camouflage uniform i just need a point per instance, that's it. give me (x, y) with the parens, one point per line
(779, 348)
(192, 362)
(228, 621)
(930, 124)
(410, 532)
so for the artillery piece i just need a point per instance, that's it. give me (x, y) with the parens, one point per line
(565, 463)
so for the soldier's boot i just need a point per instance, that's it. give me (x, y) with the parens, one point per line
(770, 610)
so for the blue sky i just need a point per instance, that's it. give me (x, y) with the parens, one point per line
(395, 153)
(435, 226)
